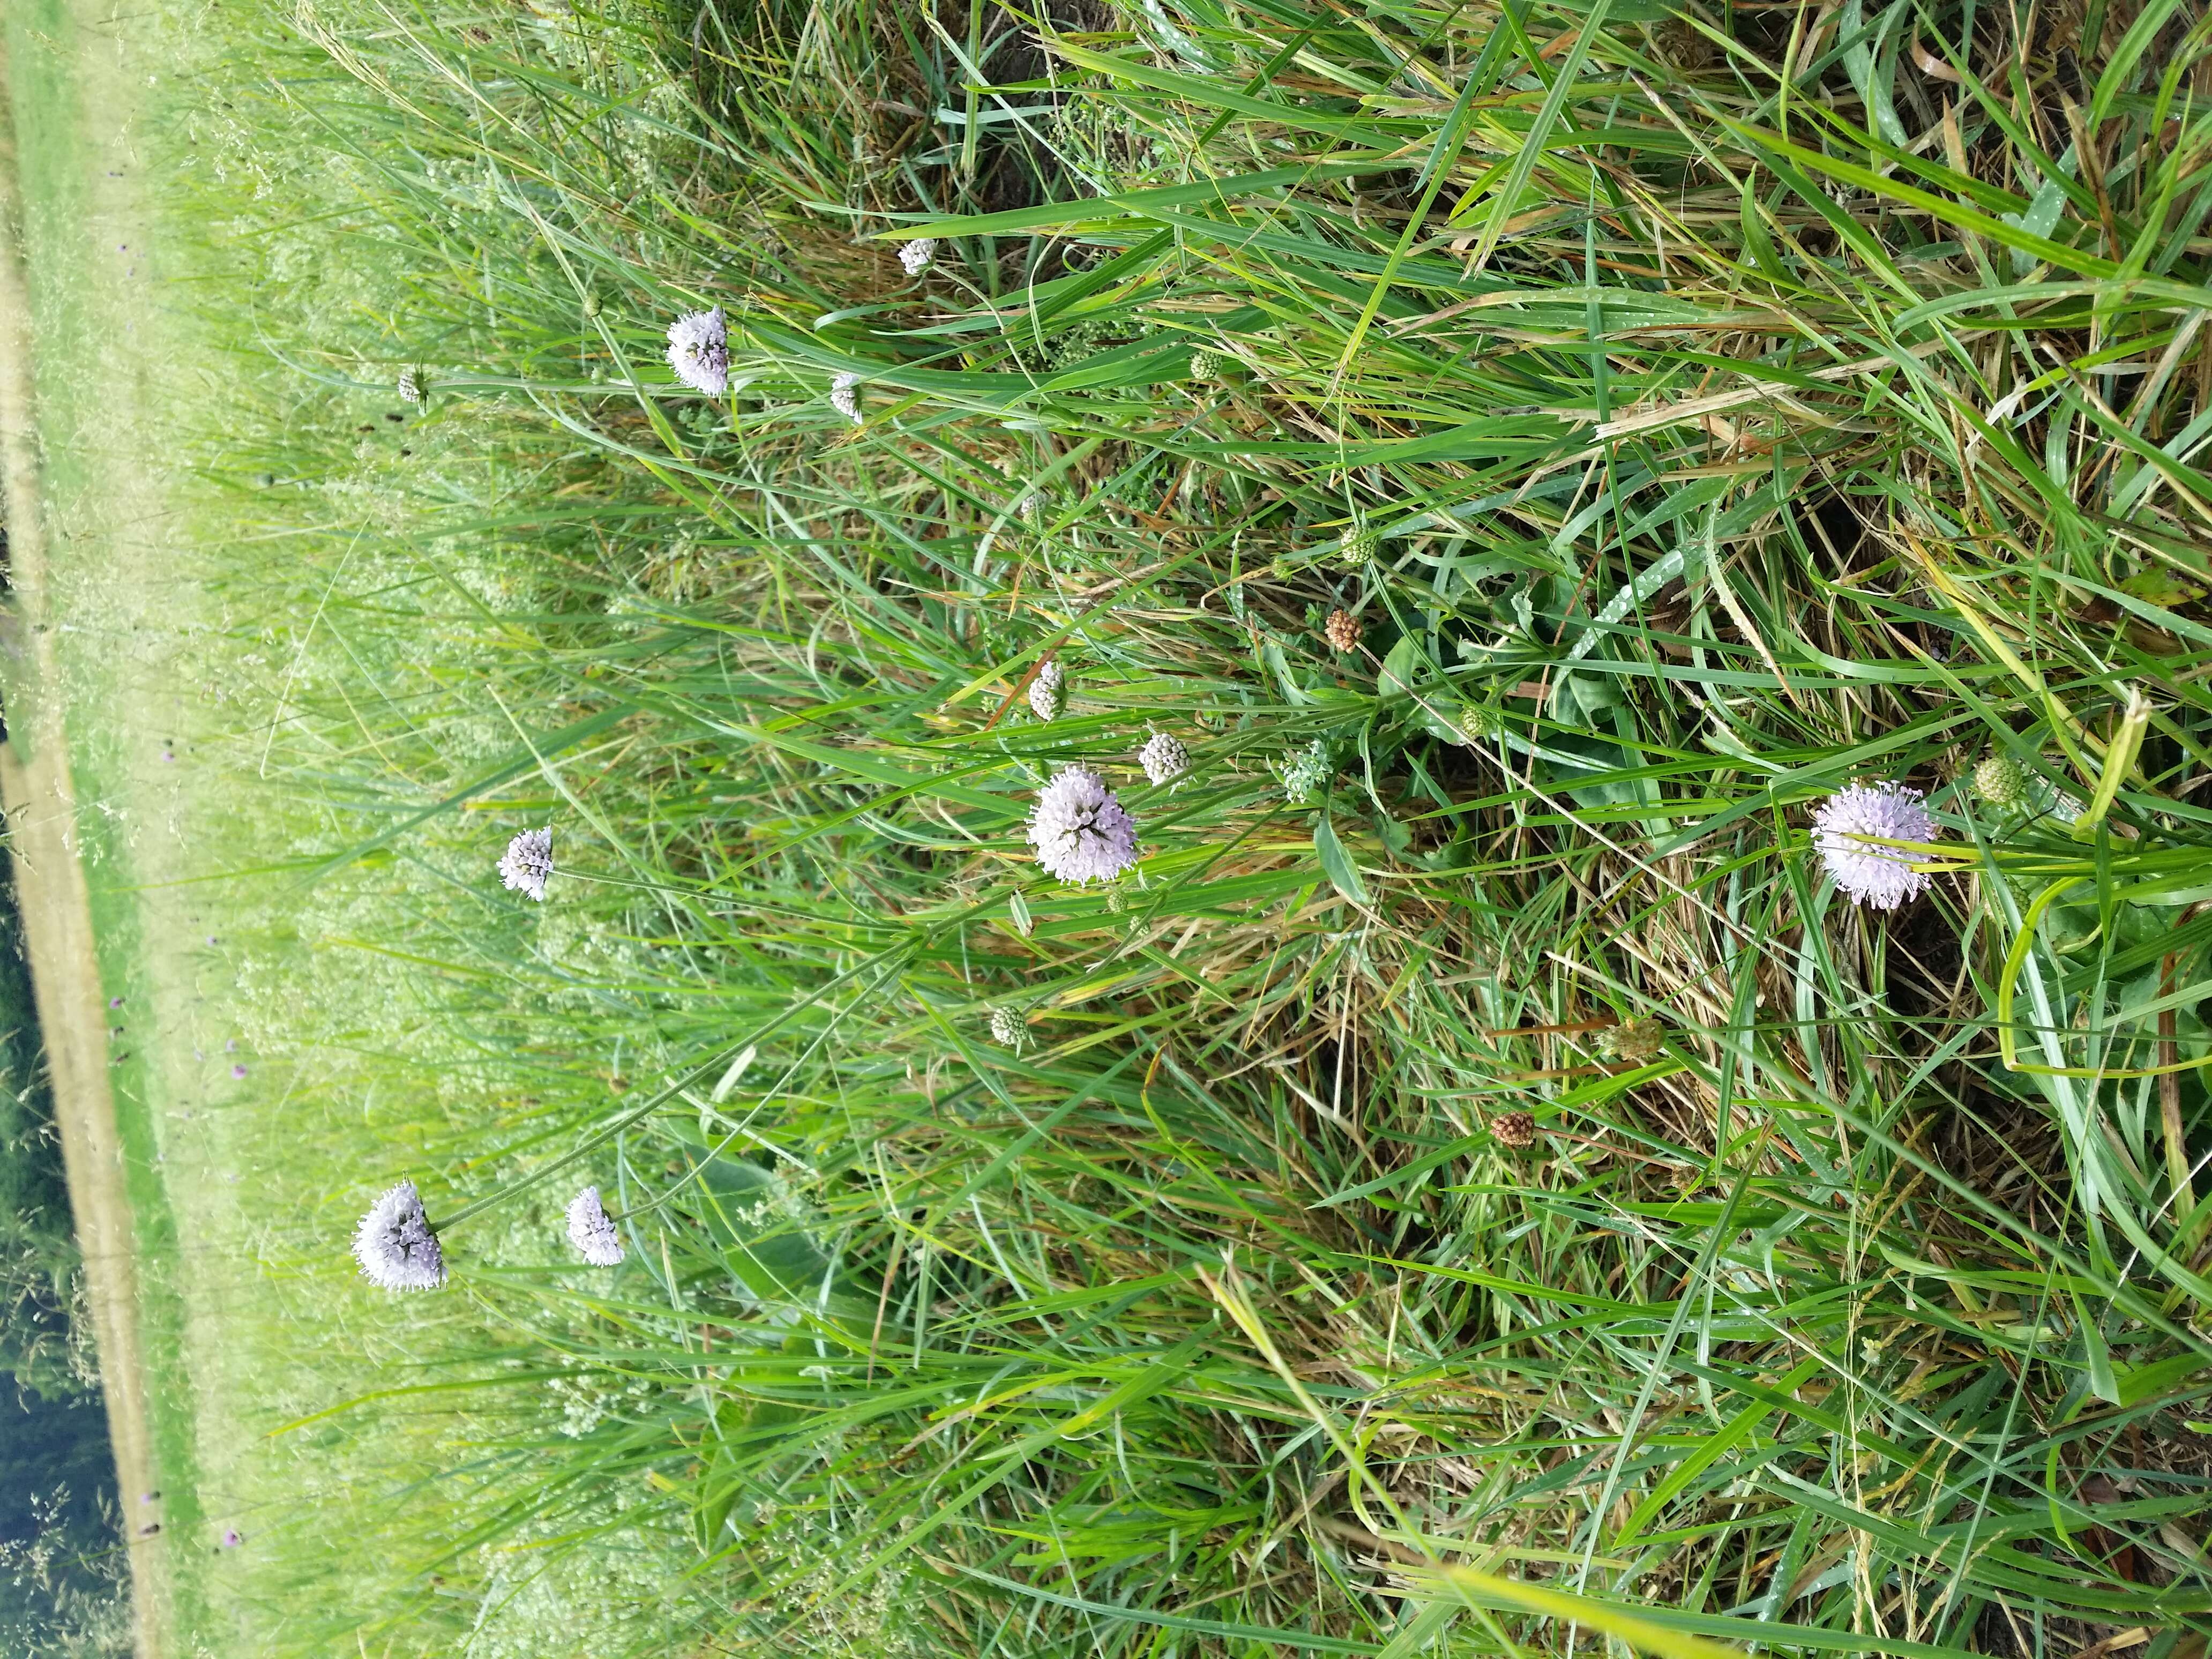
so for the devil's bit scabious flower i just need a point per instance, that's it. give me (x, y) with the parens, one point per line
(1006, 1028)
(1205, 365)
(699, 351)
(845, 397)
(2000, 782)
(1342, 631)
(1079, 830)
(1515, 1130)
(1163, 758)
(592, 1230)
(395, 1246)
(1871, 874)
(916, 255)
(410, 386)
(527, 862)
(1049, 691)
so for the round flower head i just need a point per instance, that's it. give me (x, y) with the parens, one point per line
(410, 386)
(916, 255)
(1079, 830)
(592, 1230)
(527, 862)
(699, 351)
(2000, 782)
(395, 1246)
(1006, 1028)
(1163, 758)
(1871, 874)
(1048, 690)
(1307, 773)
(845, 397)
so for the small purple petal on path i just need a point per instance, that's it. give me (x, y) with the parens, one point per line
(238, 1070)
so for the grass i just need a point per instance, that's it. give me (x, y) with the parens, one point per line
(1697, 411)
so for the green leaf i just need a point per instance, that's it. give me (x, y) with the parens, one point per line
(2102, 1383)
(1336, 864)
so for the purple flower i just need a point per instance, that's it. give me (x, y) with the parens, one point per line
(232, 1538)
(699, 351)
(527, 862)
(592, 1230)
(238, 1070)
(1847, 831)
(395, 1246)
(1079, 830)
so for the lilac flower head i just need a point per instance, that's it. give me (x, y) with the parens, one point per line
(1163, 758)
(592, 1230)
(527, 862)
(395, 1246)
(699, 351)
(232, 1538)
(845, 397)
(1079, 830)
(916, 255)
(1871, 874)
(1048, 690)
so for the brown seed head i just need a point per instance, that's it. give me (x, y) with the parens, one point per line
(1341, 630)
(1515, 1130)
(1637, 1042)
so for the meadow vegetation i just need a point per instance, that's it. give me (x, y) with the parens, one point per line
(1477, 1157)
